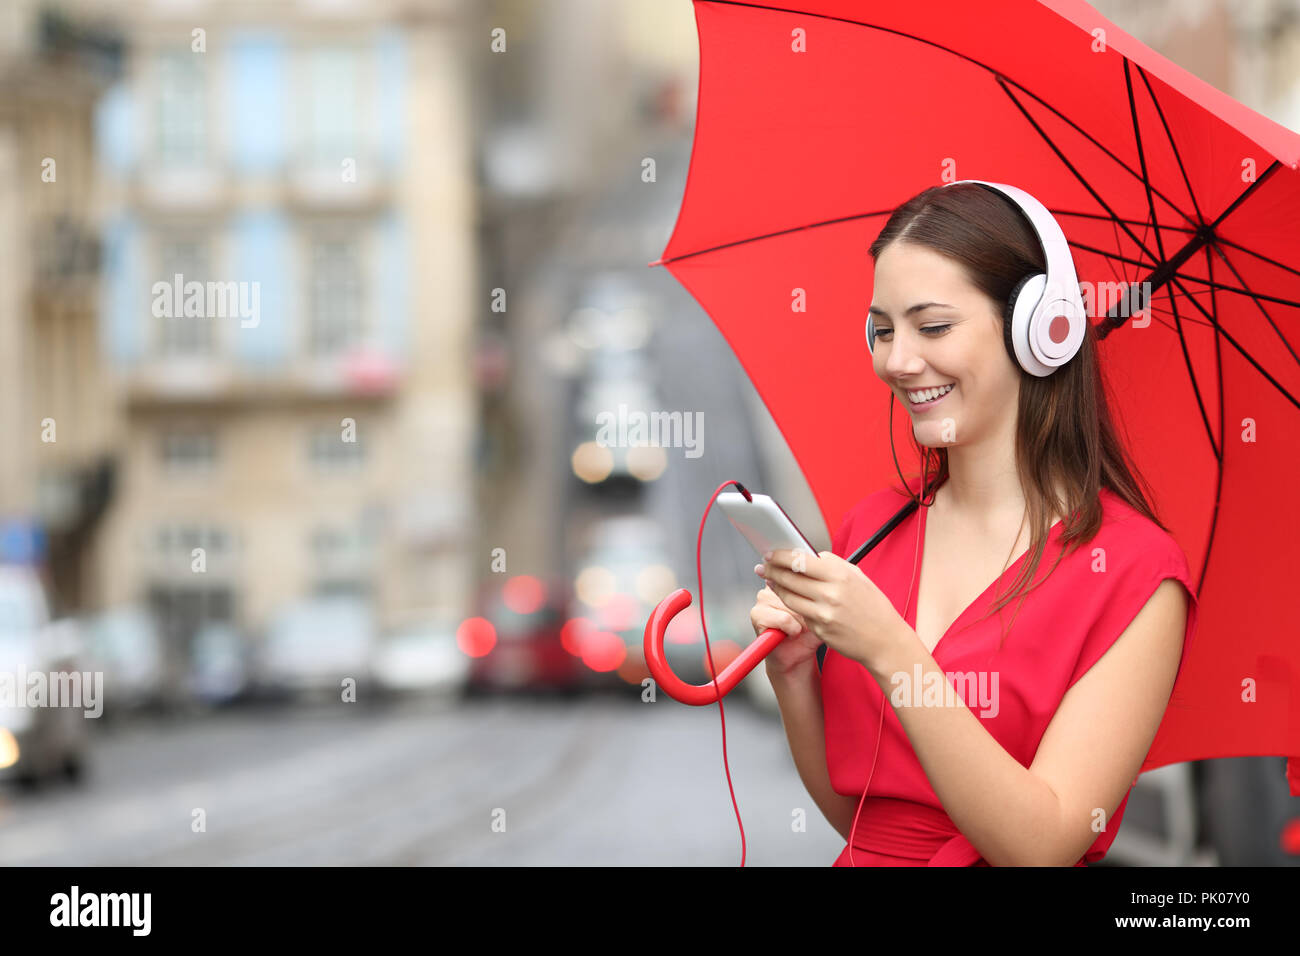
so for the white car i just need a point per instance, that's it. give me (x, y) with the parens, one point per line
(126, 646)
(422, 659)
(37, 742)
(313, 646)
(219, 668)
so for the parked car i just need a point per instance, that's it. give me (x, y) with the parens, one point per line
(313, 645)
(126, 645)
(39, 742)
(526, 615)
(422, 660)
(219, 668)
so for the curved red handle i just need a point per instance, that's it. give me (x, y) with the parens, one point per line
(731, 675)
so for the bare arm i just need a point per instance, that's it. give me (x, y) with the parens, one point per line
(799, 695)
(1087, 760)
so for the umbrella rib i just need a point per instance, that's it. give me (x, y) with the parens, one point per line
(1142, 158)
(1133, 222)
(772, 235)
(1238, 291)
(1218, 472)
(1109, 255)
(1178, 157)
(1256, 299)
(1259, 181)
(1251, 252)
(1233, 342)
(1070, 166)
(1191, 377)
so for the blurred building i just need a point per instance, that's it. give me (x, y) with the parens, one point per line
(59, 430)
(289, 289)
(1249, 49)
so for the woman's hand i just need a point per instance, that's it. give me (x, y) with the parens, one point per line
(837, 602)
(800, 646)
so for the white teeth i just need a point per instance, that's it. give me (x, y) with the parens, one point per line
(928, 394)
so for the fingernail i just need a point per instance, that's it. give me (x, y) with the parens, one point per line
(758, 569)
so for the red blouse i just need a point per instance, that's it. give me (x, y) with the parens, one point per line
(1064, 626)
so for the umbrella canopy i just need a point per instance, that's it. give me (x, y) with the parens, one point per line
(817, 119)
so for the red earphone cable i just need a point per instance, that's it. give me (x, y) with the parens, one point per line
(699, 579)
(713, 670)
(884, 702)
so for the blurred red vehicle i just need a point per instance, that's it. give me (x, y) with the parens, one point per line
(515, 639)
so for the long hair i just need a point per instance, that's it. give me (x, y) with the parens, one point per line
(1064, 432)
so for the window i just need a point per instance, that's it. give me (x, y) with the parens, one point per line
(334, 317)
(180, 334)
(188, 452)
(181, 109)
(330, 452)
(332, 113)
(342, 559)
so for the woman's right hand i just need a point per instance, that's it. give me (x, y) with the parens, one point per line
(800, 646)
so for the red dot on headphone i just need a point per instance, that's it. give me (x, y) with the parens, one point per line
(1059, 330)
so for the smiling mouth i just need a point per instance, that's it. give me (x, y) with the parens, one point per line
(925, 396)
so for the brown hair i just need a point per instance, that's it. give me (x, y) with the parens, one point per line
(1064, 433)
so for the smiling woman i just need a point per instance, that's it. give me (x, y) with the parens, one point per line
(1084, 668)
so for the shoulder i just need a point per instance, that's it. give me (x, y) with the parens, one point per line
(1132, 542)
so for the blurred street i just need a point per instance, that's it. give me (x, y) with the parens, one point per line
(608, 782)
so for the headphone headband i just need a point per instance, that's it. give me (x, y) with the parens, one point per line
(1046, 319)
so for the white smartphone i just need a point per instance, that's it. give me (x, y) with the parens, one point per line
(763, 523)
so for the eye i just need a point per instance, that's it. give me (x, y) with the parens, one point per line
(933, 329)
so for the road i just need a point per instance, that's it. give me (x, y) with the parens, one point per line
(601, 781)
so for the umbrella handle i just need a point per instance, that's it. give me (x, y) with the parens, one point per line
(731, 675)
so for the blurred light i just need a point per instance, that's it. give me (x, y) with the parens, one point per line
(476, 636)
(491, 362)
(1290, 838)
(634, 669)
(603, 651)
(618, 613)
(654, 582)
(592, 462)
(575, 631)
(684, 629)
(594, 585)
(581, 327)
(647, 462)
(523, 594)
(628, 329)
(724, 652)
(370, 372)
(8, 749)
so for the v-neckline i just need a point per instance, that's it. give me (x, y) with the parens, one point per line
(913, 597)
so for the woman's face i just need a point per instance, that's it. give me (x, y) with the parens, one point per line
(956, 342)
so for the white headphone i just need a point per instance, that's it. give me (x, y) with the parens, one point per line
(1045, 320)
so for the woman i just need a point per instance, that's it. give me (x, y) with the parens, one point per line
(944, 734)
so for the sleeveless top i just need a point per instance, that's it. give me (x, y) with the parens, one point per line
(1063, 627)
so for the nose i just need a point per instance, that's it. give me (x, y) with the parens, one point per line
(904, 357)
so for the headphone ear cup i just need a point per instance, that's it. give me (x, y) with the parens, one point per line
(1008, 317)
(871, 335)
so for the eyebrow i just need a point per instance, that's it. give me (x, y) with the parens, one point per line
(919, 307)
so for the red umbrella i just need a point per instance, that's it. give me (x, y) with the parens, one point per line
(817, 119)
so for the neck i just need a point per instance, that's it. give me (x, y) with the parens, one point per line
(983, 484)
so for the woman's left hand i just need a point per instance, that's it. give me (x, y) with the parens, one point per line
(840, 604)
